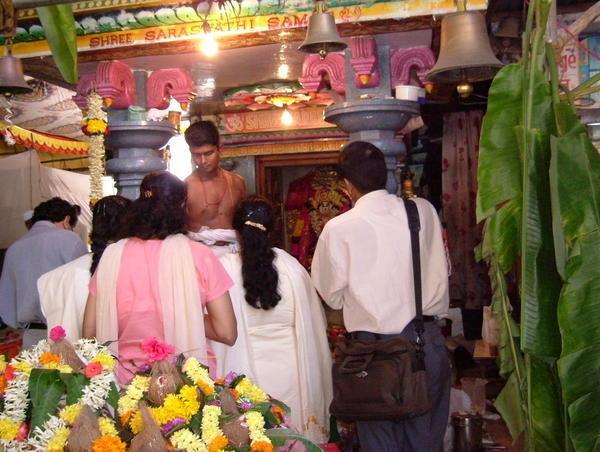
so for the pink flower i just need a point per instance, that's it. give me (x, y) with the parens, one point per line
(57, 333)
(93, 369)
(157, 350)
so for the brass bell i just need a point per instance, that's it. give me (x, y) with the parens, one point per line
(322, 36)
(465, 51)
(12, 80)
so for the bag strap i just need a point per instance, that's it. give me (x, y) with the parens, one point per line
(414, 224)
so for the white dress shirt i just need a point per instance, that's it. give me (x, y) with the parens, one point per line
(363, 264)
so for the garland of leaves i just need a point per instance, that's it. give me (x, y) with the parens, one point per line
(95, 126)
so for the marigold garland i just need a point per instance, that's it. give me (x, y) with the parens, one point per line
(249, 390)
(108, 443)
(210, 424)
(256, 426)
(199, 375)
(186, 440)
(135, 391)
(70, 413)
(95, 126)
(59, 440)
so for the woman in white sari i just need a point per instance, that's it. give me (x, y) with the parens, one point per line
(282, 344)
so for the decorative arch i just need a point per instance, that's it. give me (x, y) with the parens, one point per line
(403, 60)
(365, 61)
(315, 67)
(115, 83)
(165, 83)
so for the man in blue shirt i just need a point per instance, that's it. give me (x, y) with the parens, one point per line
(48, 244)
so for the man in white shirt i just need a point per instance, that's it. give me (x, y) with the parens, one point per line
(363, 265)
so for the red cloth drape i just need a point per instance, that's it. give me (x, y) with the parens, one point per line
(469, 282)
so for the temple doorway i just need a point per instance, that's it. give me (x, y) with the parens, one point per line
(275, 174)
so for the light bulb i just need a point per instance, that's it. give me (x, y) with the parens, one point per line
(209, 45)
(283, 70)
(286, 118)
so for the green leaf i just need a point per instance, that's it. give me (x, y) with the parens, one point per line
(113, 396)
(510, 406)
(196, 422)
(59, 26)
(74, 384)
(499, 170)
(280, 435)
(540, 281)
(45, 390)
(546, 406)
(577, 196)
(505, 233)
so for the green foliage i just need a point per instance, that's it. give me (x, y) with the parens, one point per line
(59, 25)
(45, 390)
(279, 436)
(539, 194)
(74, 383)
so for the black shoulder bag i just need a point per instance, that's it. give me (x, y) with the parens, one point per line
(384, 379)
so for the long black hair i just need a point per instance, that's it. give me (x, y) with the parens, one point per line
(253, 220)
(107, 218)
(160, 210)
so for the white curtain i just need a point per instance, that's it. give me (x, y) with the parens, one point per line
(25, 182)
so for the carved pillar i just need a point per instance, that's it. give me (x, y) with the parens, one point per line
(133, 140)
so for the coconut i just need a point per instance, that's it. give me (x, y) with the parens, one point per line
(150, 439)
(84, 432)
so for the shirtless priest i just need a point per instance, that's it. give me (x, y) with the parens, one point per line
(213, 192)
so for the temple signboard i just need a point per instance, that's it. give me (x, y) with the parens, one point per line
(270, 120)
(170, 23)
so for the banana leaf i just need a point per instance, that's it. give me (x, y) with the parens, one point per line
(575, 181)
(510, 405)
(499, 171)
(546, 406)
(540, 281)
(59, 25)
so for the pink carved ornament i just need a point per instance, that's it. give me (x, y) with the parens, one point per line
(85, 86)
(403, 60)
(166, 83)
(364, 61)
(315, 68)
(115, 84)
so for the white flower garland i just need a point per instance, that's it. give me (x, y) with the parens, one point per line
(96, 393)
(97, 151)
(16, 399)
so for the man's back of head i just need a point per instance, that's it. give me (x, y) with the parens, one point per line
(201, 133)
(55, 210)
(363, 165)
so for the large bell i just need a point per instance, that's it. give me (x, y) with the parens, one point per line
(465, 51)
(322, 36)
(12, 80)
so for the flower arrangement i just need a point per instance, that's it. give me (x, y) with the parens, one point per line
(57, 396)
(95, 126)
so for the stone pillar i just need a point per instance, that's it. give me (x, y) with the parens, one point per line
(135, 154)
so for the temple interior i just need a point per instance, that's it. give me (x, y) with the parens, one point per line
(286, 98)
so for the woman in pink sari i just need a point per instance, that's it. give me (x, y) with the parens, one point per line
(157, 283)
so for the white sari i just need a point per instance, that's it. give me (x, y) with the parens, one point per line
(284, 349)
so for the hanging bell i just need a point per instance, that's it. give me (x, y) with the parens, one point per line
(12, 80)
(465, 51)
(322, 36)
